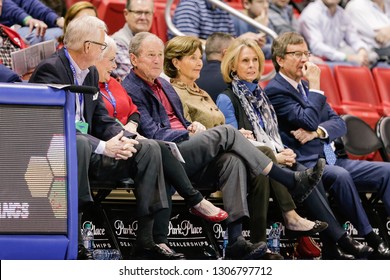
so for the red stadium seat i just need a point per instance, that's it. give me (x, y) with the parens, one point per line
(359, 96)
(382, 82)
(159, 25)
(111, 12)
(268, 67)
(329, 87)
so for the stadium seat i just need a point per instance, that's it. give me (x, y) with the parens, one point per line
(268, 67)
(358, 93)
(329, 87)
(383, 132)
(111, 12)
(382, 79)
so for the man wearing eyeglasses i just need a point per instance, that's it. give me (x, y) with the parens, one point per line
(104, 149)
(309, 126)
(139, 18)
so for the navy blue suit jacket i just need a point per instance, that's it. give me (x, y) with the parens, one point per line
(154, 121)
(294, 112)
(56, 70)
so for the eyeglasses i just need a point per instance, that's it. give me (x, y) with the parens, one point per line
(298, 55)
(103, 46)
(140, 13)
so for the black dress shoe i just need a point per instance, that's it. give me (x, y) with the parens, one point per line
(381, 252)
(156, 253)
(336, 254)
(318, 227)
(351, 246)
(83, 254)
(306, 180)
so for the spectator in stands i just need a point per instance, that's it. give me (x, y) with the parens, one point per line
(331, 35)
(182, 62)
(210, 78)
(7, 75)
(38, 22)
(246, 106)
(281, 17)
(258, 11)
(309, 126)
(139, 18)
(220, 156)
(104, 149)
(10, 41)
(200, 18)
(120, 106)
(78, 9)
(371, 18)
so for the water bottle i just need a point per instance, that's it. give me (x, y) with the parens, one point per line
(274, 238)
(225, 243)
(106, 254)
(88, 237)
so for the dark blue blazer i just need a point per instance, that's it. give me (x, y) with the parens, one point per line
(7, 75)
(56, 70)
(154, 121)
(294, 112)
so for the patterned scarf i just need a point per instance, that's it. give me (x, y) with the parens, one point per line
(259, 102)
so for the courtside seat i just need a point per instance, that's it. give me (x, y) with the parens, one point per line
(382, 82)
(358, 93)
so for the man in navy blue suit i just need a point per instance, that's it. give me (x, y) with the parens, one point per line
(309, 126)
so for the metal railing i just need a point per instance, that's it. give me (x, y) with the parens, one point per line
(232, 11)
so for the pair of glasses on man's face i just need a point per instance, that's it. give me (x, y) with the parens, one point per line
(299, 55)
(103, 46)
(140, 13)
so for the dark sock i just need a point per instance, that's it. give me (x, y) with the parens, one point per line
(282, 175)
(373, 239)
(234, 230)
(145, 232)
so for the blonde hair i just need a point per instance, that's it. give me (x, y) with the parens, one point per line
(178, 47)
(230, 59)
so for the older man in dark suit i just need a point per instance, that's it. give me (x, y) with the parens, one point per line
(103, 149)
(309, 126)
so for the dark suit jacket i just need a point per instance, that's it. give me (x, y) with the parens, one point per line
(294, 112)
(154, 122)
(211, 79)
(56, 70)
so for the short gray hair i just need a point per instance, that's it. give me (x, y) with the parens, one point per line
(111, 45)
(82, 29)
(138, 39)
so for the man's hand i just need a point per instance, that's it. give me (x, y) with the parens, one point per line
(303, 136)
(196, 127)
(383, 35)
(313, 74)
(120, 147)
(260, 38)
(361, 58)
(247, 134)
(39, 26)
(286, 157)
